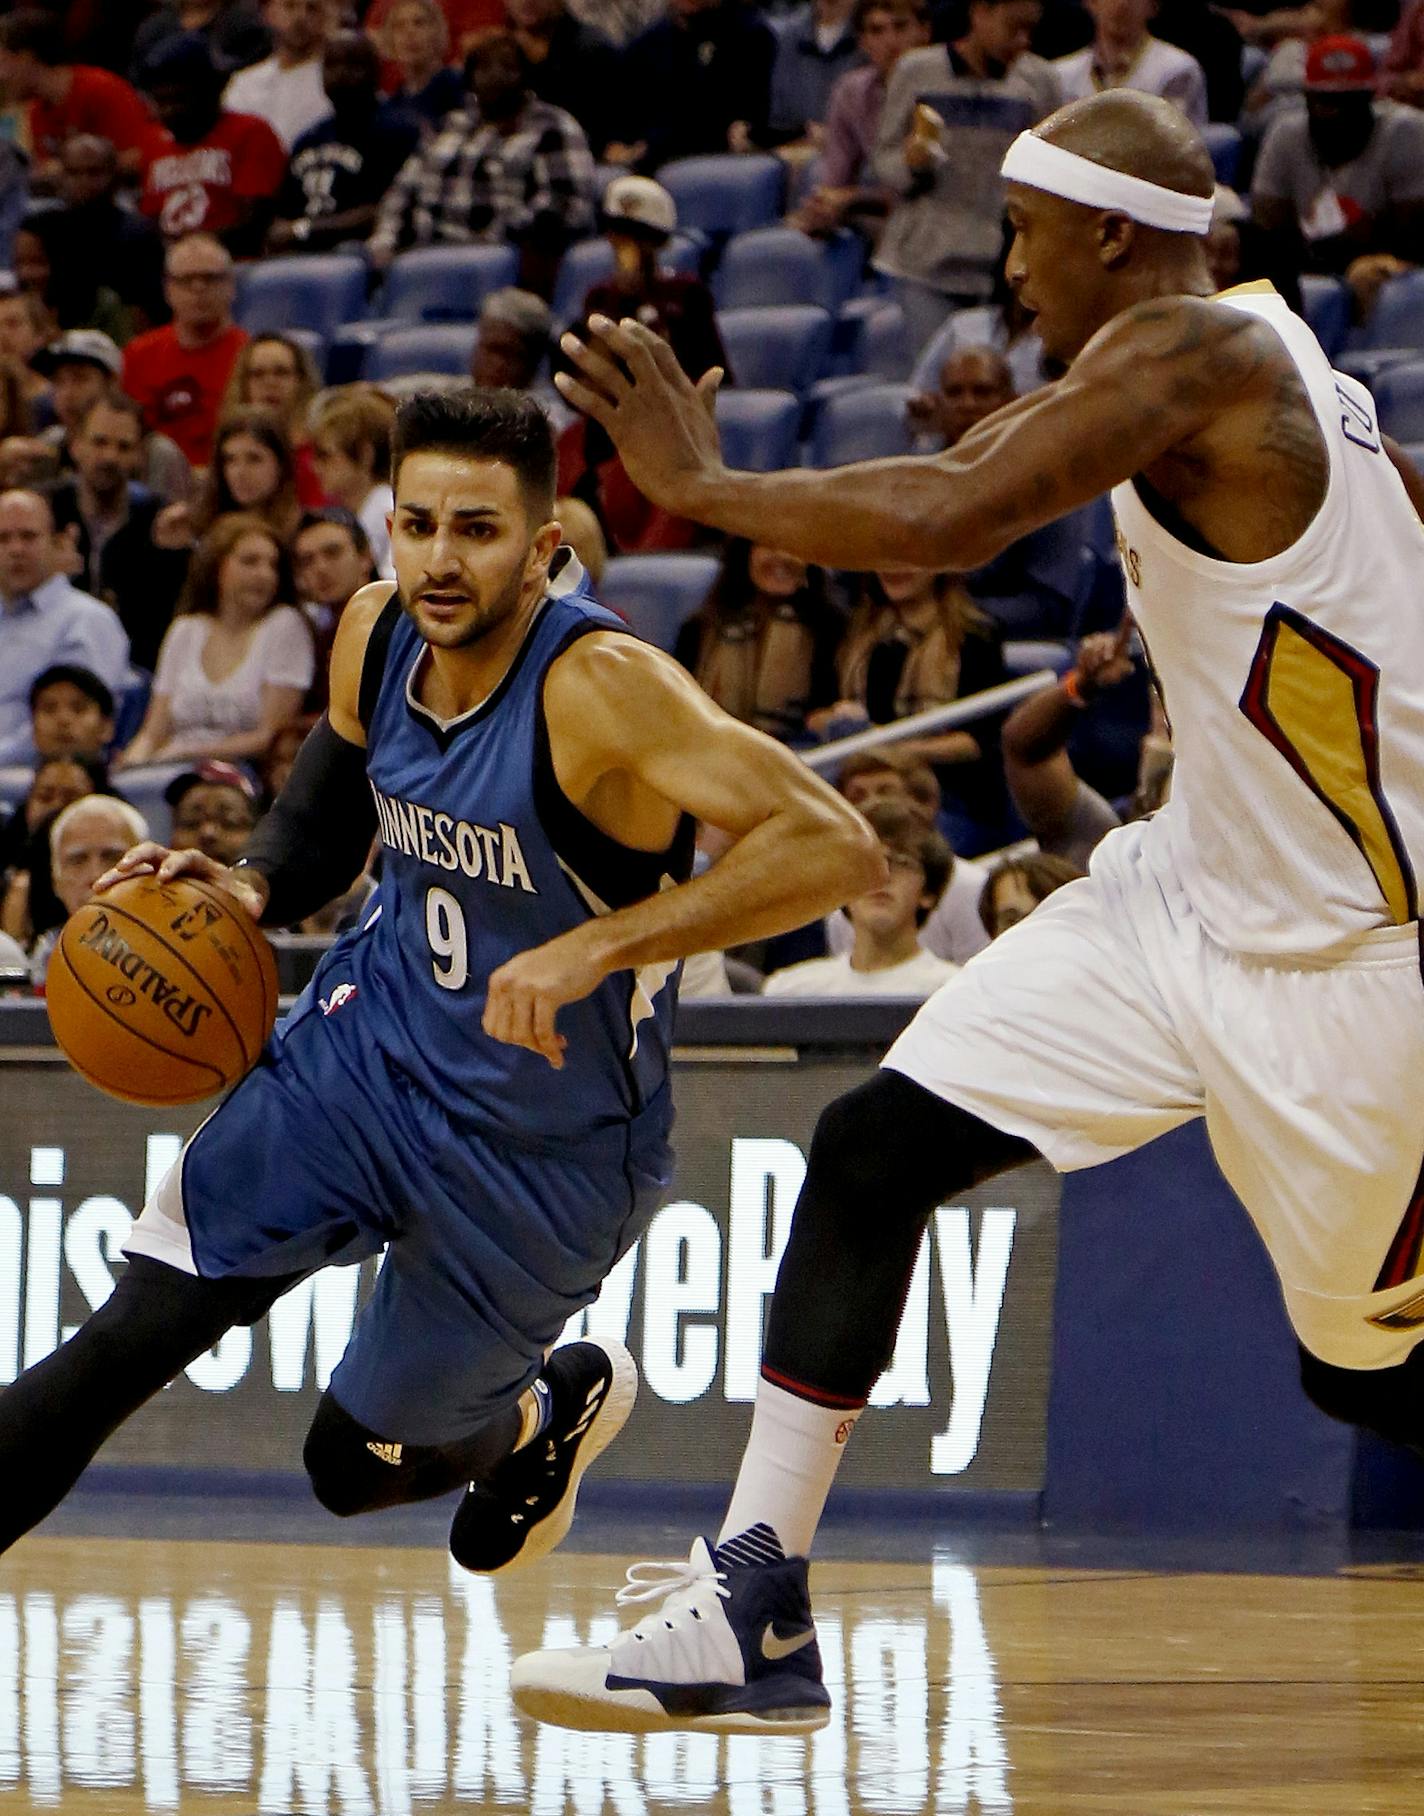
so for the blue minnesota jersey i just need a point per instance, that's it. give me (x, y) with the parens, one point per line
(483, 857)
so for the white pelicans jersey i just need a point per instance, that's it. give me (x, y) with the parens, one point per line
(1295, 690)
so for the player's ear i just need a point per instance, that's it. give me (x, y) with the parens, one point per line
(546, 539)
(1116, 237)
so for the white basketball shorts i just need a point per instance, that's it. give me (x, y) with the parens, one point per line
(1108, 1017)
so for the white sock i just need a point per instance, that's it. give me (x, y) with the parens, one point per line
(788, 1467)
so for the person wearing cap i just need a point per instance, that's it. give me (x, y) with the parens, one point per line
(214, 810)
(84, 366)
(342, 166)
(210, 169)
(71, 713)
(1344, 181)
(639, 217)
(845, 191)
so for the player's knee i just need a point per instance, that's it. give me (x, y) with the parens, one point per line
(338, 1465)
(890, 1141)
(1383, 1400)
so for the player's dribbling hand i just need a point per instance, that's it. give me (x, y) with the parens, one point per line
(629, 381)
(152, 859)
(527, 992)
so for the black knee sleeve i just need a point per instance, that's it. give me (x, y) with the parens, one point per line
(355, 1470)
(1389, 1401)
(883, 1156)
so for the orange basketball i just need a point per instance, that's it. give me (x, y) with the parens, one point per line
(162, 993)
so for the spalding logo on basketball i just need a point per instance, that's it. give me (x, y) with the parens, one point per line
(162, 993)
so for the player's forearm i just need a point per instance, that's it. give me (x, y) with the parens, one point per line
(313, 844)
(1039, 728)
(792, 869)
(876, 514)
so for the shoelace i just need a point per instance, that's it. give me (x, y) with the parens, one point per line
(678, 1584)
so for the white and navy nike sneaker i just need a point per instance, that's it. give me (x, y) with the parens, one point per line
(524, 1508)
(732, 1649)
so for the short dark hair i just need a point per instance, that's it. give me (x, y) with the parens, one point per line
(83, 678)
(504, 426)
(35, 32)
(339, 518)
(902, 830)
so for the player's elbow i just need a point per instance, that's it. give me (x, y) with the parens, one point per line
(861, 864)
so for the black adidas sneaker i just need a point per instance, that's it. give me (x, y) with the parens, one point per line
(524, 1509)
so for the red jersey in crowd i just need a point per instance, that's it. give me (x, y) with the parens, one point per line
(180, 389)
(98, 102)
(188, 188)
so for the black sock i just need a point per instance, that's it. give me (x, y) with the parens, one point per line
(882, 1158)
(57, 1414)
(356, 1470)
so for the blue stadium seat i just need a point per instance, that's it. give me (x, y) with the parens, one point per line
(725, 195)
(430, 347)
(316, 292)
(782, 349)
(658, 593)
(1224, 144)
(446, 283)
(866, 424)
(1400, 396)
(590, 262)
(1397, 319)
(779, 265)
(1325, 303)
(759, 429)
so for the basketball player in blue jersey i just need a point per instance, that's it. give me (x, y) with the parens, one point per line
(1251, 955)
(476, 1080)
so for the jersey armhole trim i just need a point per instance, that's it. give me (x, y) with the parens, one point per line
(373, 662)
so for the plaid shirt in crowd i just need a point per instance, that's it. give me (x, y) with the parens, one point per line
(472, 183)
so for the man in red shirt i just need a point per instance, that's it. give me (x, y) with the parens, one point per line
(178, 374)
(208, 171)
(66, 98)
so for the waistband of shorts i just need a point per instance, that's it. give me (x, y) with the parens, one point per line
(1380, 947)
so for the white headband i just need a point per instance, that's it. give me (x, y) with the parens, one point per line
(1040, 165)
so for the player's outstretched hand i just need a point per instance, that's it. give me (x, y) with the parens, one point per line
(526, 994)
(628, 379)
(153, 859)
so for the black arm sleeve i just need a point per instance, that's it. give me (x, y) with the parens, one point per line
(313, 843)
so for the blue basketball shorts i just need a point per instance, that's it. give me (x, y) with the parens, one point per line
(326, 1154)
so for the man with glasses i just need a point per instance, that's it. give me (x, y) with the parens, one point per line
(178, 374)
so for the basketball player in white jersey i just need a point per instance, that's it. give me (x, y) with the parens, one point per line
(1250, 955)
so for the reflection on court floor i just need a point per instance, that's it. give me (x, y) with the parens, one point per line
(224, 1679)
(373, 1684)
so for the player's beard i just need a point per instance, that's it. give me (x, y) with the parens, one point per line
(478, 620)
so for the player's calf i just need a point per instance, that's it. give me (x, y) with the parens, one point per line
(353, 1469)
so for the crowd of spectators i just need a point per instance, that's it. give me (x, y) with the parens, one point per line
(186, 507)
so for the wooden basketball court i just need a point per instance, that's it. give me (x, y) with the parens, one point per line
(222, 1679)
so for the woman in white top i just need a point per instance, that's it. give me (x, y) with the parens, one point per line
(351, 450)
(235, 665)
